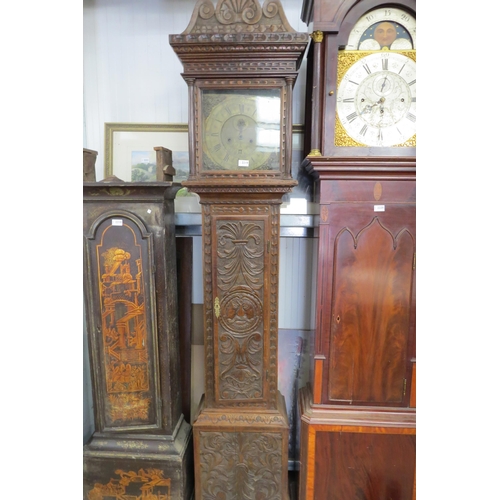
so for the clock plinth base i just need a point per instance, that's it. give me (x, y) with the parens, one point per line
(347, 451)
(241, 453)
(134, 466)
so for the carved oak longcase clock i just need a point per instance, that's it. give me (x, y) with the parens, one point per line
(358, 415)
(142, 446)
(240, 63)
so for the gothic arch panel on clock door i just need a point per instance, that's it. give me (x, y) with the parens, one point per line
(372, 298)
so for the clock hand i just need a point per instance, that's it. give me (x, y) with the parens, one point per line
(383, 84)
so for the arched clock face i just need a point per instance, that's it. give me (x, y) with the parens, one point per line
(241, 131)
(376, 99)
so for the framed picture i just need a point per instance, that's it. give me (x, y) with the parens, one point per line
(129, 150)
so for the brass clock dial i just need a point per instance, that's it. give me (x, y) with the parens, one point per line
(241, 129)
(376, 99)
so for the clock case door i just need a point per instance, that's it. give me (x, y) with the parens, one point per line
(334, 22)
(367, 282)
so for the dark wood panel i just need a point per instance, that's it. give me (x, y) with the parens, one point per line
(358, 466)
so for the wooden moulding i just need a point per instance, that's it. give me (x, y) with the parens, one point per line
(338, 417)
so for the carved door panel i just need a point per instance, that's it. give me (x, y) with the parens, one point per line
(372, 308)
(241, 292)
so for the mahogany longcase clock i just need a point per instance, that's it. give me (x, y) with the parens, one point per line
(358, 415)
(142, 445)
(240, 63)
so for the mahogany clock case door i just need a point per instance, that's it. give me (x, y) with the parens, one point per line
(367, 317)
(372, 309)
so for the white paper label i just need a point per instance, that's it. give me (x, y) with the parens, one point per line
(116, 222)
(379, 208)
(243, 163)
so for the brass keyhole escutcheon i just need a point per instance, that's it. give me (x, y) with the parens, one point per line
(338, 319)
(217, 307)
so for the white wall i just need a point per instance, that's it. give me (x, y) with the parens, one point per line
(132, 75)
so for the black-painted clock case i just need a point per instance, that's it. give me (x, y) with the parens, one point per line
(142, 444)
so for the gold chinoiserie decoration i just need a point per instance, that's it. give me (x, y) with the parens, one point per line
(150, 483)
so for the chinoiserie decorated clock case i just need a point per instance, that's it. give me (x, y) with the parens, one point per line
(240, 62)
(142, 446)
(358, 415)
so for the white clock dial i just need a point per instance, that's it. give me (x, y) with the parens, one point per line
(376, 99)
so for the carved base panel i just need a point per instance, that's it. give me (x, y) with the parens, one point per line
(139, 468)
(241, 454)
(356, 452)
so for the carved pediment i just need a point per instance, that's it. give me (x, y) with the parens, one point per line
(238, 17)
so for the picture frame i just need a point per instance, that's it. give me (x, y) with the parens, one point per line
(129, 152)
